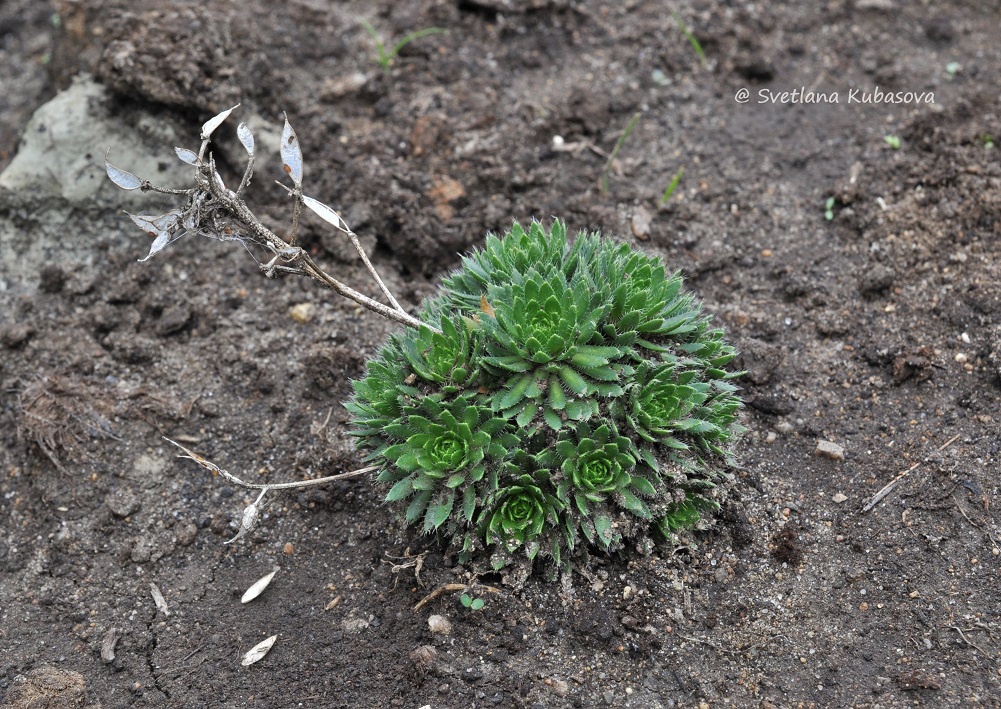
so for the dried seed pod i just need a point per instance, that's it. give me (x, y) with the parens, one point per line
(154, 225)
(214, 122)
(125, 180)
(188, 156)
(258, 651)
(246, 137)
(250, 517)
(159, 243)
(258, 588)
(291, 154)
(325, 213)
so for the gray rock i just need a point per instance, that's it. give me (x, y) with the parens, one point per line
(829, 450)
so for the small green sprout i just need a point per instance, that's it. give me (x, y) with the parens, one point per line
(385, 58)
(953, 68)
(987, 140)
(615, 151)
(468, 601)
(673, 185)
(893, 141)
(696, 45)
(829, 209)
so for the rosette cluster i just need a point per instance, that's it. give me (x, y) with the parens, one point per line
(569, 397)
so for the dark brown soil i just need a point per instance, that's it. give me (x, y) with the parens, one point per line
(878, 330)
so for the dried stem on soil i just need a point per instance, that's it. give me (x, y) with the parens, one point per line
(252, 513)
(888, 488)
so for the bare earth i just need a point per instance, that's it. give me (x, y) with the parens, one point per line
(872, 342)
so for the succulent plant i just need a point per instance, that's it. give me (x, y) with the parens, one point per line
(570, 397)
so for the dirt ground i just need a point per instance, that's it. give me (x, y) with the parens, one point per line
(875, 327)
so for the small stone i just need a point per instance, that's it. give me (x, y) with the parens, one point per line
(784, 427)
(640, 223)
(560, 687)
(355, 623)
(173, 320)
(424, 658)
(876, 280)
(302, 313)
(123, 503)
(14, 335)
(839, 497)
(289, 548)
(186, 534)
(439, 625)
(108, 645)
(829, 450)
(770, 438)
(886, 5)
(341, 86)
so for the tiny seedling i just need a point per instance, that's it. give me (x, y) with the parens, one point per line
(829, 209)
(468, 601)
(953, 68)
(615, 151)
(987, 140)
(673, 185)
(692, 40)
(385, 58)
(893, 141)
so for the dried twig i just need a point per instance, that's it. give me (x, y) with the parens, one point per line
(888, 488)
(251, 514)
(215, 211)
(968, 641)
(407, 561)
(451, 588)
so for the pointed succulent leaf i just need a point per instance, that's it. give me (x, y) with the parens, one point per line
(634, 504)
(468, 502)
(603, 527)
(643, 486)
(417, 506)
(401, 490)
(573, 380)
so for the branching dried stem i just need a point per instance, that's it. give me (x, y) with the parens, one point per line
(215, 211)
(252, 513)
(295, 259)
(452, 588)
(212, 207)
